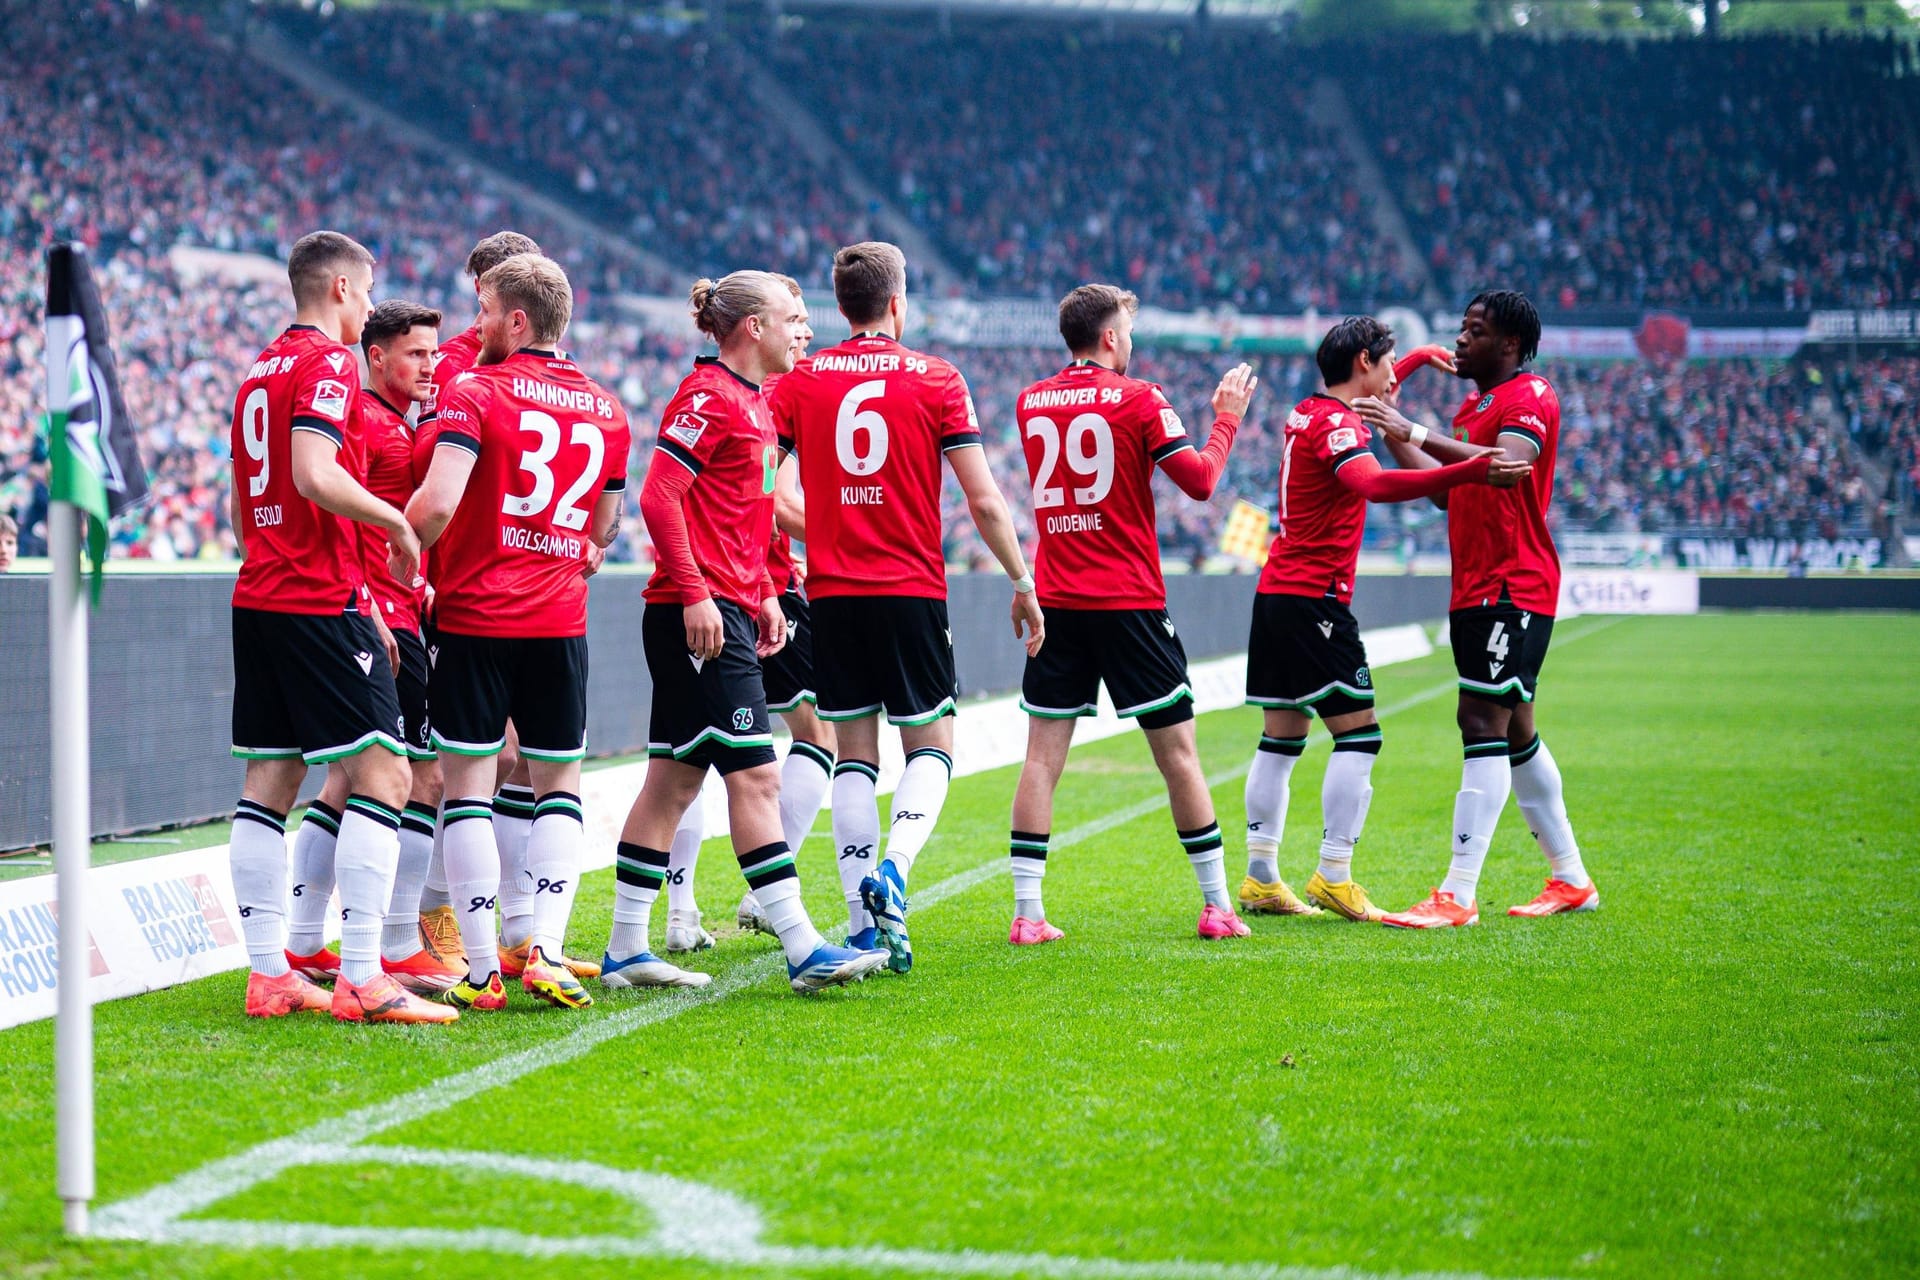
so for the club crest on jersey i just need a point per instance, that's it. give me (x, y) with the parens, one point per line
(1486, 403)
(1170, 424)
(330, 398)
(687, 428)
(743, 718)
(337, 360)
(1342, 440)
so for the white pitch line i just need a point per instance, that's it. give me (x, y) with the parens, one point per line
(155, 1214)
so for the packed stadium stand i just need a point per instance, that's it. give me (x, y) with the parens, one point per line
(1196, 172)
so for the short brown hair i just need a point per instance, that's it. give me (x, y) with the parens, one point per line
(534, 284)
(866, 277)
(719, 306)
(7, 526)
(496, 249)
(395, 318)
(317, 258)
(1087, 312)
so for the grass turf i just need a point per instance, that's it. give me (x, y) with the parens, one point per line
(1715, 1074)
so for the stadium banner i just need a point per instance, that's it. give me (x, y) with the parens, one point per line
(1901, 326)
(1613, 550)
(1628, 591)
(1778, 553)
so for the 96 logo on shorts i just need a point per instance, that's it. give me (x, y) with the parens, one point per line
(743, 718)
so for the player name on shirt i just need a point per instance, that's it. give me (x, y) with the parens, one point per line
(547, 544)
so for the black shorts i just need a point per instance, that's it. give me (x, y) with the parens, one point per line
(1137, 653)
(481, 682)
(789, 673)
(1498, 651)
(1305, 655)
(709, 714)
(891, 653)
(313, 687)
(411, 685)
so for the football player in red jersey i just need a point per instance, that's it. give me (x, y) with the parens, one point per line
(788, 673)
(530, 464)
(1305, 656)
(1093, 437)
(513, 804)
(311, 684)
(713, 612)
(870, 420)
(1506, 590)
(398, 342)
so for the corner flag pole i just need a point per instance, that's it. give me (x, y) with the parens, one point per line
(96, 474)
(72, 845)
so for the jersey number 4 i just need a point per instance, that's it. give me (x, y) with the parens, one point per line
(538, 463)
(1089, 450)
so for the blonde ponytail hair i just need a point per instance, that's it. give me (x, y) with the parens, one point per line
(718, 306)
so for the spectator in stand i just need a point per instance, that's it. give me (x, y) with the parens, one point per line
(9, 542)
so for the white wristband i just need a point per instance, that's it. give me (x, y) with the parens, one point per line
(1418, 437)
(1023, 585)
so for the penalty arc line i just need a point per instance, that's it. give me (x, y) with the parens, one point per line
(155, 1215)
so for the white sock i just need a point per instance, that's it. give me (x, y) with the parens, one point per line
(1027, 860)
(364, 859)
(1345, 794)
(637, 873)
(856, 834)
(555, 849)
(1536, 785)
(1209, 858)
(312, 879)
(400, 935)
(473, 881)
(435, 893)
(780, 899)
(916, 806)
(1485, 779)
(1268, 789)
(512, 826)
(684, 858)
(804, 778)
(257, 856)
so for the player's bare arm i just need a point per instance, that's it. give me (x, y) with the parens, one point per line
(772, 622)
(438, 497)
(320, 479)
(995, 523)
(233, 522)
(789, 504)
(387, 641)
(1396, 426)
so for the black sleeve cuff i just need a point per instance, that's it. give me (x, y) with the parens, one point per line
(1524, 434)
(319, 426)
(681, 455)
(785, 442)
(1342, 459)
(458, 441)
(1170, 448)
(958, 440)
(618, 484)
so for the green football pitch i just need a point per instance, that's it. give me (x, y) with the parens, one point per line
(1715, 1074)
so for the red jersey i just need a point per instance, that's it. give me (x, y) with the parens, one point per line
(870, 421)
(1499, 537)
(299, 557)
(718, 428)
(385, 448)
(1093, 438)
(455, 356)
(548, 441)
(1317, 549)
(780, 565)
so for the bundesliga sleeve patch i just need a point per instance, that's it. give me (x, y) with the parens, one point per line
(973, 419)
(1341, 440)
(687, 428)
(330, 399)
(1170, 424)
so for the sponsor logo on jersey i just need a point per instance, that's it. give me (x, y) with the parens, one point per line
(973, 419)
(1342, 440)
(1533, 421)
(1171, 425)
(1539, 386)
(687, 428)
(337, 360)
(700, 399)
(330, 399)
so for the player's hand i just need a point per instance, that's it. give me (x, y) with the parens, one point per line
(596, 556)
(1235, 392)
(800, 571)
(1382, 416)
(706, 635)
(1435, 356)
(1026, 612)
(386, 638)
(403, 553)
(1504, 472)
(773, 628)
(428, 600)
